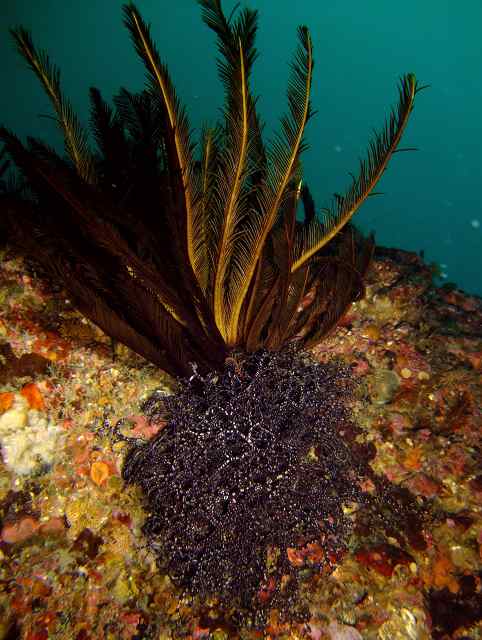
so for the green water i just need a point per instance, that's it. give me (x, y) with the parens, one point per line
(432, 197)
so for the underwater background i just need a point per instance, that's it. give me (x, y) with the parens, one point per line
(431, 200)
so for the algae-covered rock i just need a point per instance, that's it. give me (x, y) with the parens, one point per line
(27, 437)
(384, 386)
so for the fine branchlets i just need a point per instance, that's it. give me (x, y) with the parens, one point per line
(255, 465)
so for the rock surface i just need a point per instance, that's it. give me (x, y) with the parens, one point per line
(72, 563)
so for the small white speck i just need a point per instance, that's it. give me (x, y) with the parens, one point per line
(475, 223)
(338, 148)
(443, 275)
(443, 265)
